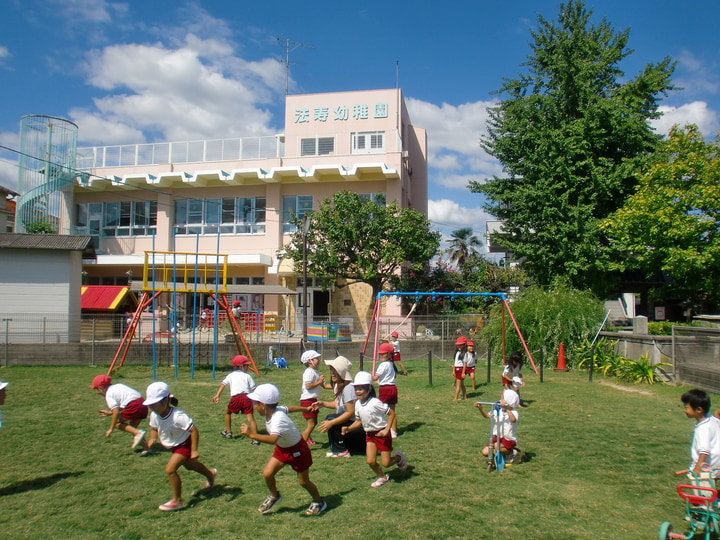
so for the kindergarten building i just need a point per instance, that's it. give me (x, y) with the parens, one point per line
(237, 197)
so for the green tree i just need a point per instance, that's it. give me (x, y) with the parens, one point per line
(40, 227)
(355, 239)
(671, 224)
(463, 244)
(567, 136)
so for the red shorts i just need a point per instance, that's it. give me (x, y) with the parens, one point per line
(388, 394)
(184, 449)
(506, 443)
(396, 356)
(135, 410)
(469, 370)
(458, 373)
(383, 444)
(297, 456)
(240, 403)
(307, 403)
(506, 382)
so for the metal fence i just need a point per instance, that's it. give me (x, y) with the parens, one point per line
(696, 356)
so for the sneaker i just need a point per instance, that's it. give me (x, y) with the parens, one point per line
(344, 454)
(269, 503)
(255, 443)
(380, 481)
(210, 483)
(316, 508)
(171, 506)
(310, 442)
(227, 434)
(402, 464)
(147, 452)
(137, 438)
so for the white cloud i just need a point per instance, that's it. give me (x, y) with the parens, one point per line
(449, 214)
(696, 112)
(90, 11)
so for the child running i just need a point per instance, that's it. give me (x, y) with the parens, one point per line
(178, 433)
(506, 418)
(290, 448)
(385, 377)
(126, 409)
(241, 384)
(312, 382)
(395, 342)
(375, 418)
(705, 448)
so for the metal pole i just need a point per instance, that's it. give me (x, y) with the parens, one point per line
(7, 339)
(92, 347)
(430, 367)
(305, 227)
(488, 366)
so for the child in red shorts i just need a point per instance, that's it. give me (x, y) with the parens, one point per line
(125, 409)
(241, 384)
(385, 377)
(506, 418)
(459, 367)
(290, 448)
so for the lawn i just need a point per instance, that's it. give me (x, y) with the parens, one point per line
(601, 465)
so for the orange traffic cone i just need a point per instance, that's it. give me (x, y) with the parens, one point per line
(561, 359)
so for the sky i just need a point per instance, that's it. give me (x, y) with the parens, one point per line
(169, 70)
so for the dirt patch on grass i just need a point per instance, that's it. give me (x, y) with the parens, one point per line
(627, 388)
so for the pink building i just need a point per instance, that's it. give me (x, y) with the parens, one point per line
(236, 196)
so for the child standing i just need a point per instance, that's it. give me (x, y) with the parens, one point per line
(505, 417)
(385, 377)
(290, 448)
(178, 433)
(459, 367)
(241, 384)
(126, 409)
(705, 447)
(395, 342)
(375, 418)
(470, 361)
(312, 382)
(512, 377)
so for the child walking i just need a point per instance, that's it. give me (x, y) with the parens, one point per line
(178, 433)
(375, 418)
(312, 382)
(385, 377)
(290, 448)
(506, 418)
(470, 361)
(395, 342)
(241, 384)
(459, 367)
(125, 409)
(705, 447)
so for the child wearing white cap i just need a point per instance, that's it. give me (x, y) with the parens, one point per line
(178, 433)
(312, 382)
(506, 418)
(290, 448)
(376, 418)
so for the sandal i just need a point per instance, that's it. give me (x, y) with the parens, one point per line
(316, 508)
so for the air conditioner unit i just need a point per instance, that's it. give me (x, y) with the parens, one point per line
(405, 154)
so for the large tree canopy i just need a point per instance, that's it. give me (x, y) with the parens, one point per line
(567, 135)
(672, 223)
(356, 239)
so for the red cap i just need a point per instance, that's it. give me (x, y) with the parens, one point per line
(236, 303)
(394, 334)
(462, 340)
(386, 348)
(240, 360)
(100, 381)
(470, 343)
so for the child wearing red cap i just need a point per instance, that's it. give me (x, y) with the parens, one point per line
(126, 409)
(385, 377)
(470, 361)
(395, 342)
(459, 367)
(241, 384)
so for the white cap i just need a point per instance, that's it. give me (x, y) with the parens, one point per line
(511, 398)
(155, 392)
(3, 384)
(362, 378)
(309, 355)
(517, 381)
(266, 393)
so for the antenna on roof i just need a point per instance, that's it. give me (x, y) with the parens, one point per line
(286, 61)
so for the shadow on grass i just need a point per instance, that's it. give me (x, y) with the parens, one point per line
(333, 501)
(215, 492)
(36, 483)
(414, 426)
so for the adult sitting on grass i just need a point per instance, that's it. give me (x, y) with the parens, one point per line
(351, 442)
(126, 409)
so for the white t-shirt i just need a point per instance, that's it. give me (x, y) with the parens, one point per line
(470, 358)
(239, 382)
(281, 425)
(173, 429)
(120, 395)
(396, 345)
(503, 425)
(511, 371)
(706, 440)
(459, 359)
(386, 373)
(372, 413)
(310, 375)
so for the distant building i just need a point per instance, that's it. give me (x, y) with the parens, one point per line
(7, 209)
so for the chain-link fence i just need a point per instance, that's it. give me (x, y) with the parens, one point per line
(696, 356)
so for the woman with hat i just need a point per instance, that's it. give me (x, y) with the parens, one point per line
(342, 445)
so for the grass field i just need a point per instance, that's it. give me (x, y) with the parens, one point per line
(601, 464)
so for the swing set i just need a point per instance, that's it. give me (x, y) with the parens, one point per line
(374, 327)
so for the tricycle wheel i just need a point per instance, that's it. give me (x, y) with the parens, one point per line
(665, 530)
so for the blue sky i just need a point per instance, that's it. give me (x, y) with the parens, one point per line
(168, 70)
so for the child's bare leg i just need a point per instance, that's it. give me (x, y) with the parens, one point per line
(388, 460)
(228, 421)
(271, 469)
(393, 426)
(472, 378)
(371, 459)
(251, 421)
(310, 424)
(173, 464)
(304, 481)
(195, 465)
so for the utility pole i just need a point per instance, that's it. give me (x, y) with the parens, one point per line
(289, 47)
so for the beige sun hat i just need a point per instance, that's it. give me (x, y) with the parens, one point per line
(342, 365)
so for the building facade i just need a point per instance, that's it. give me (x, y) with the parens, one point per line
(237, 197)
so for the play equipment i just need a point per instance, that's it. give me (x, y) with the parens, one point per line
(701, 508)
(495, 459)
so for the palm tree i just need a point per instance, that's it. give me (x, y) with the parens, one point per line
(463, 245)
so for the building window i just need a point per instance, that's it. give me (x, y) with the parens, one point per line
(377, 198)
(239, 215)
(128, 218)
(317, 146)
(295, 206)
(368, 142)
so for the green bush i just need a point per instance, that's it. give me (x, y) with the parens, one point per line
(664, 328)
